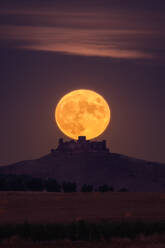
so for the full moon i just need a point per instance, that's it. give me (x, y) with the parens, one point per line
(82, 113)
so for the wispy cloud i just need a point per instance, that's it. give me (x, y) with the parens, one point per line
(109, 33)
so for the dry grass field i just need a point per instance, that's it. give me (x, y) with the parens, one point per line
(36, 207)
(155, 241)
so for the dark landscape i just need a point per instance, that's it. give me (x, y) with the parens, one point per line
(88, 197)
(154, 241)
(94, 169)
(43, 207)
(82, 219)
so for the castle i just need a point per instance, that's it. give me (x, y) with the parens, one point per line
(81, 145)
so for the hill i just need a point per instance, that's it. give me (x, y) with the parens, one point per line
(96, 168)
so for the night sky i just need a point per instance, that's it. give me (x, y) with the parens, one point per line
(49, 48)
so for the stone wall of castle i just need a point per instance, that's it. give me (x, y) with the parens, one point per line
(82, 145)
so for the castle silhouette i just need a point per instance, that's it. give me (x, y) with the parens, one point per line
(81, 145)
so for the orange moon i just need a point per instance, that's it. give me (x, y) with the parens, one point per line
(82, 113)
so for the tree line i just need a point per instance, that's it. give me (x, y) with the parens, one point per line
(27, 183)
(81, 230)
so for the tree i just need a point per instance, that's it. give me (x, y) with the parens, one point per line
(51, 185)
(3, 184)
(35, 184)
(123, 190)
(69, 187)
(105, 188)
(16, 183)
(87, 188)
(111, 189)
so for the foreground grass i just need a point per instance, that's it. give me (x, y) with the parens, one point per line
(81, 230)
(154, 241)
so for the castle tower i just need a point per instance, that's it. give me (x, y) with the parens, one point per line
(82, 139)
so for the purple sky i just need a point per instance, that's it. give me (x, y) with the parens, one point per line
(49, 48)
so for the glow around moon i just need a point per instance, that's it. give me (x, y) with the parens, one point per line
(82, 113)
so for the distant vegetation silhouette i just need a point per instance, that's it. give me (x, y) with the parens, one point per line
(87, 188)
(81, 230)
(28, 183)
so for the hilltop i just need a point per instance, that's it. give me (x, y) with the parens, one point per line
(96, 168)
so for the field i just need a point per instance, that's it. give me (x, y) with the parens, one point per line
(45, 208)
(155, 241)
